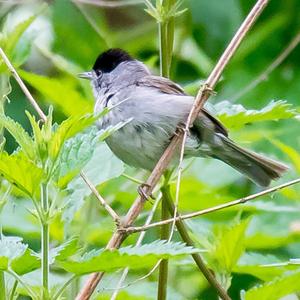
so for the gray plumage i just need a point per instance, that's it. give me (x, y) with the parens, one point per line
(156, 106)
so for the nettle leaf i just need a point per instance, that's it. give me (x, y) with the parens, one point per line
(292, 153)
(59, 93)
(281, 286)
(76, 152)
(102, 167)
(110, 260)
(263, 266)
(17, 256)
(21, 172)
(235, 116)
(62, 252)
(15, 48)
(67, 129)
(229, 246)
(20, 135)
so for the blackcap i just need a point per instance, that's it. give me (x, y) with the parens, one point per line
(156, 106)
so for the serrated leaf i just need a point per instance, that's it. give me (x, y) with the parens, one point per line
(62, 252)
(109, 260)
(21, 172)
(17, 256)
(58, 92)
(258, 265)
(67, 129)
(236, 116)
(229, 246)
(102, 166)
(20, 135)
(76, 152)
(15, 50)
(281, 286)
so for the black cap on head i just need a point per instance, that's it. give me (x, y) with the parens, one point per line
(110, 59)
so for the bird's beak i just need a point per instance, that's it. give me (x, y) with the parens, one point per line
(86, 75)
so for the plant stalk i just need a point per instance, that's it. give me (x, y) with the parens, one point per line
(2, 286)
(45, 240)
(166, 38)
(13, 290)
(164, 264)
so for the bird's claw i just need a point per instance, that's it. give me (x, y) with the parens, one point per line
(142, 193)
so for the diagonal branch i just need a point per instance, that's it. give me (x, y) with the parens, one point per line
(203, 94)
(43, 117)
(265, 74)
(212, 209)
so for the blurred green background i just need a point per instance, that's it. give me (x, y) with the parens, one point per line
(66, 37)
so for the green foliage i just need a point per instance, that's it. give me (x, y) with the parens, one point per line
(20, 135)
(57, 151)
(281, 286)
(58, 93)
(77, 189)
(21, 172)
(110, 260)
(235, 116)
(16, 256)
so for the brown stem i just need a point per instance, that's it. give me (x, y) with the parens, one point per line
(165, 159)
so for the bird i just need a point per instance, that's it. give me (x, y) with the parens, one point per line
(155, 106)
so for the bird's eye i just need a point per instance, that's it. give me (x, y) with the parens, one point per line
(98, 73)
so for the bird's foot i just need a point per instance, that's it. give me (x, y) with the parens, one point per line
(142, 193)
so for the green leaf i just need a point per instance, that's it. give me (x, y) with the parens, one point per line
(21, 172)
(17, 256)
(229, 246)
(67, 129)
(20, 135)
(76, 152)
(110, 260)
(236, 116)
(292, 154)
(16, 49)
(77, 189)
(58, 92)
(262, 266)
(281, 286)
(64, 251)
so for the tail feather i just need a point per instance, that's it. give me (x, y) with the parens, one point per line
(258, 168)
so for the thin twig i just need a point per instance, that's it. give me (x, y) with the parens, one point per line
(22, 85)
(111, 4)
(212, 209)
(44, 118)
(112, 213)
(118, 237)
(265, 74)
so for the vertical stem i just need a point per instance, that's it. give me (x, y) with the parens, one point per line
(166, 38)
(164, 235)
(13, 290)
(45, 241)
(2, 286)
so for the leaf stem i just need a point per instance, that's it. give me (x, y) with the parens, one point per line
(30, 292)
(13, 290)
(2, 286)
(64, 286)
(45, 240)
(166, 38)
(164, 235)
